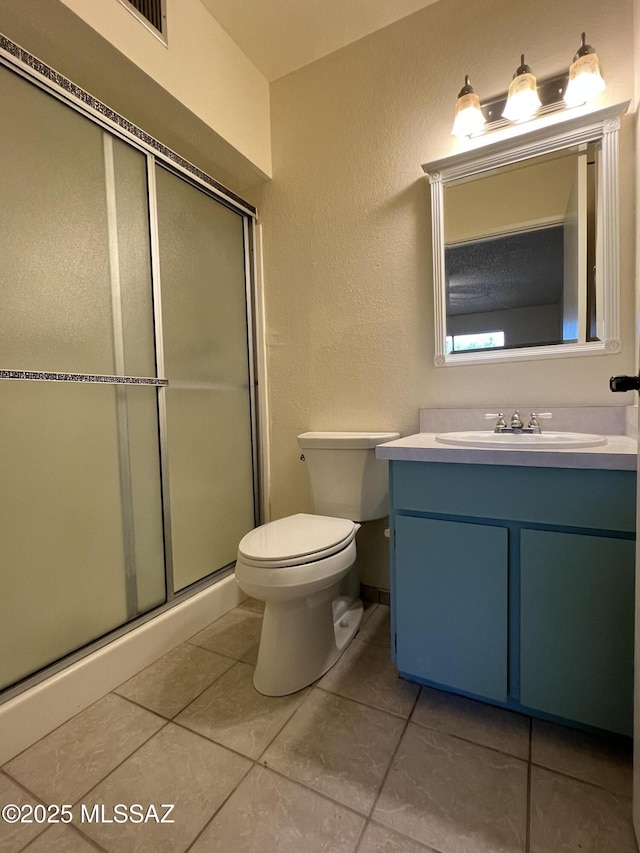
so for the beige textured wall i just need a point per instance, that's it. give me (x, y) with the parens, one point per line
(348, 283)
(200, 95)
(201, 67)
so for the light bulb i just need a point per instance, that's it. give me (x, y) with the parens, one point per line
(585, 79)
(522, 101)
(469, 118)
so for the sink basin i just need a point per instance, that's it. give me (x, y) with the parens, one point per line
(531, 441)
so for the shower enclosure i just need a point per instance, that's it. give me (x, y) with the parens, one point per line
(127, 426)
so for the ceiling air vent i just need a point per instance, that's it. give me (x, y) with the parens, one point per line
(152, 13)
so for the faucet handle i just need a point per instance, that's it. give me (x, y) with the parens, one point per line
(500, 421)
(534, 419)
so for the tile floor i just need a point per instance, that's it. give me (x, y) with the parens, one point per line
(361, 761)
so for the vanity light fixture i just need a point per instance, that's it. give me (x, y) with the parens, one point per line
(523, 100)
(528, 97)
(469, 118)
(585, 79)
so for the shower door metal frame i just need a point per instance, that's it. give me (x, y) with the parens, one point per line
(25, 65)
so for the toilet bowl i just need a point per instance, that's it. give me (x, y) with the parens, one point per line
(304, 566)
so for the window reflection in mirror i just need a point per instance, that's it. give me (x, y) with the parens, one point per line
(521, 250)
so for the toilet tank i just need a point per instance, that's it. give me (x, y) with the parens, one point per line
(347, 481)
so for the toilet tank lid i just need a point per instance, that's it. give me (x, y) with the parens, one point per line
(345, 440)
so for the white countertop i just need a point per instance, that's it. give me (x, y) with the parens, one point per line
(619, 453)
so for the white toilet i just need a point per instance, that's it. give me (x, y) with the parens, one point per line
(304, 567)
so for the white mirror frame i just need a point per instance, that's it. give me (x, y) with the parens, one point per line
(604, 125)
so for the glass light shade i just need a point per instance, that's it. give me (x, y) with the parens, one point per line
(523, 101)
(469, 118)
(585, 80)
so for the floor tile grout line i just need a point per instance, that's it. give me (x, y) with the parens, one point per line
(307, 787)
(142, 707)
(211, 740)
(393, 713)
(261, 762)
(46, 826)
(72, 829)
(393, 756)
(366, 704)
(250, 609)
(259, 759)
(588, 782)
(429, 848)
(285, 724)
(469, 741)
(32, 796)
(22, 786)
(120, 763)
(195, 698)
(166, 654)
(198, 734)
(113, 690)
(88, 839)
(221, 806)
(335, 692)
(87, 793)
(189, 640)
(255, 763)
(215, 651)
(57, 728)
(360, 837)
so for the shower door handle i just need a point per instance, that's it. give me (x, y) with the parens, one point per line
(624, 383)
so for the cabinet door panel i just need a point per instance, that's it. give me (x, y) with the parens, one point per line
(451, 604)
(577, 599)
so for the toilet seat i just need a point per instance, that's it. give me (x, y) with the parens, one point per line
(296, 540)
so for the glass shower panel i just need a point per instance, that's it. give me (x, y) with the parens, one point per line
(74, 241)
(129, 258)
(66, 572)
(210, 479)
(208, 406)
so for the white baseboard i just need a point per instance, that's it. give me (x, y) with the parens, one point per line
(36, 712)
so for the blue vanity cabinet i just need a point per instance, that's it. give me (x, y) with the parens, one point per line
(516, 585)
(577, 613)
(452, 597)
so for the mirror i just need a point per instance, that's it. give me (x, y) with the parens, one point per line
(525, 244)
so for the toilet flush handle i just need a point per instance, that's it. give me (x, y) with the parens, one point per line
(302, 459)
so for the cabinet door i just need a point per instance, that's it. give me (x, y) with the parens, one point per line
(577, 600)
(451, 604)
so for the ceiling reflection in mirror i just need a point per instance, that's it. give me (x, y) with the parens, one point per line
(520, 253)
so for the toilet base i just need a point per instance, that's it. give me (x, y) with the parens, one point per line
(301, 640)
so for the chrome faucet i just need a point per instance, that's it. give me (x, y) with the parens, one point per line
(500, 424)
(534, 423)
(515, 424)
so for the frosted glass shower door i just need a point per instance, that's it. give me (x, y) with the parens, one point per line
(208, 401)
(63, 548)
(81, 527)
